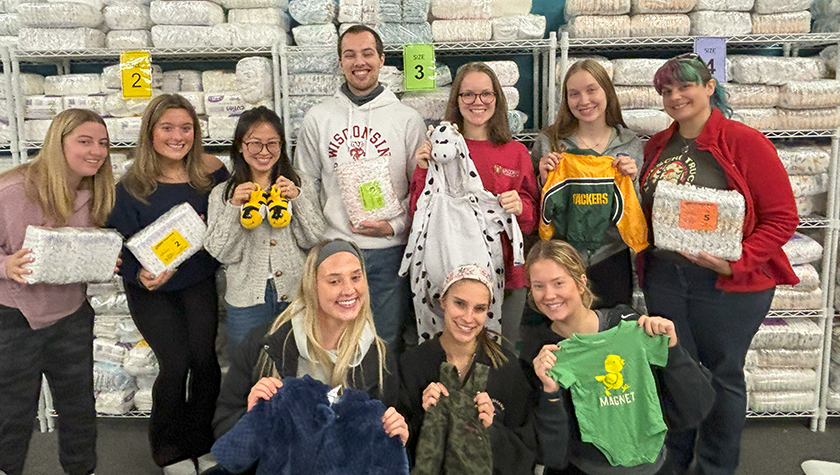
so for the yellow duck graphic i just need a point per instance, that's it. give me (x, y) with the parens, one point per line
(613, 379)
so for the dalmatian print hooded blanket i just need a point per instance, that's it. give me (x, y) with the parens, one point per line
(457, 222)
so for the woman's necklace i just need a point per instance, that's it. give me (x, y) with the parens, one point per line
(596, 146)
(462, 369)
(686, 145)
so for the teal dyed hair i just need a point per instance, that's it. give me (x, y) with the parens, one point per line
(683, 69)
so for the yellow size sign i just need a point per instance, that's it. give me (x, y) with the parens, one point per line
(136, 69)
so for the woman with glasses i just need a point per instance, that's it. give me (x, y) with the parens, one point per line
(477, 105)
(590, 120)
(263, 264)
(716, 305)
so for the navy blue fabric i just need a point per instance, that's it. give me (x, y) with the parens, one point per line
(297, 431)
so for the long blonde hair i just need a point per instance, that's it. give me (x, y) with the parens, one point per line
(45, 177)
(306, 301)
(141, 179)
(567, 257)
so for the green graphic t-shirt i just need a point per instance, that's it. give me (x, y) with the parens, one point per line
(614, 392)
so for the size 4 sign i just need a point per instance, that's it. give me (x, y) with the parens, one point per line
(712, 50)
(419, 67)
(136, 69)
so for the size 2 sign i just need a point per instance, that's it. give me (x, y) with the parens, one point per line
(136, 70)
(712, 50)
(419, 67)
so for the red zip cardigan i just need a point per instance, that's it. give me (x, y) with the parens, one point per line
(752, 168)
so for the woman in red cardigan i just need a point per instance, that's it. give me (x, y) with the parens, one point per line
(716, 305)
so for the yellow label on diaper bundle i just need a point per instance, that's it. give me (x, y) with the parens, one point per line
(170, 247)
(371, 193)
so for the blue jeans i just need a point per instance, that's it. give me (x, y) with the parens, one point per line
(241, 320)
(716, 328)
(390, 297)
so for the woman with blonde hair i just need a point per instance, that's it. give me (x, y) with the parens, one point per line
(48, 328)
(478, 106)
(589, 120)
(326, 332)
(176, 312)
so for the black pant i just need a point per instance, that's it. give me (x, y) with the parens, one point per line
(180, 326)
(611, 280)
(64, 353)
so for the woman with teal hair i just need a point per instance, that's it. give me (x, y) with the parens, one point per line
(717, 305)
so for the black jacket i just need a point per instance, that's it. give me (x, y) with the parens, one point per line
(512, 435)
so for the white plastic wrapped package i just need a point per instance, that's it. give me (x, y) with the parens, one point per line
(461, 9)
(253, 35)
(808, 185)
(503, 8)
(108, 375)
(58, 15)
(780, 6)
(781, 379)
(269, 16)
(143, 400)
(36, 130)
(42, 107)
(170, 240)
(657, 25)
(560, 73)
(196, 13)
(109, 351)
(128, 16)
(313, 12)
(829, 55)
(119, 164)
(646, 121)
(507, 72)
(221, 128)
(70, 255)
(635, 71)
(181, 80)
(783, 358)
(694, 219)
(9, 24)
(314, 84)
(774, 70)
(781, 23)
(801, 249)
(596, 26)
(181, 36)
(309, 35)
(662, 6)
(366, 11)
(112, 286)
(112, 304)
(531, 27)
(811, 205)
(710, 23)
(115, 402)
(96, 4)
(117, 106)
(430, 104)
(790, 333)
(511, 97)
(809, 278)
(127, 332)
(761, 119)
(808, 119)
(507, 28)
(196, 99)
(516, 121)
(752, 96)
(140, 361)
(725, 5)
(392, 78)
(575, 8)
(803, 158)
(218, 80)
(111, 78)
(638, 97)
(300, 105)
(60, 39)
(443, 75)
(72, 85)
(386, 10)
(787, 299)
(231, 4)
(810, 94)
(223, 104)
(254, 78)
(782, 401)
(405, 33)
(313, 62)
(462, 30)
(128, 39)
(106, 328)
(367, 190)
(30, 84)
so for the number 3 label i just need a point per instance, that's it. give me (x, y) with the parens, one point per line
(136, 69)
(419, 67)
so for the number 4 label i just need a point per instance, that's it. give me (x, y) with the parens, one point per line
(712, 50)
(136, 70)
(419, 67)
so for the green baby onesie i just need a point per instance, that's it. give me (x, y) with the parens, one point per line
(614, 392)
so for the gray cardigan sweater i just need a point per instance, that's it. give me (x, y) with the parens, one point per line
(622, 141)
(248, 255)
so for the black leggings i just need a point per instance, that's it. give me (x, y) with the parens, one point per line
(180, 326)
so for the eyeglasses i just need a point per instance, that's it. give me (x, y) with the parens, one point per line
(485, 97)
(257, 147)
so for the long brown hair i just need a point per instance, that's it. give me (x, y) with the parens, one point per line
(45, 177)
(141, 179)
(486, 339)
(566, 123)
(498, 130)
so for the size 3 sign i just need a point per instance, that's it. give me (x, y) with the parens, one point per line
(136, 69)
(419, 67)
(712, 50)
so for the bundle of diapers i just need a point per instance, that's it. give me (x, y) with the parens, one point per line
(170, 240)
(70, 255)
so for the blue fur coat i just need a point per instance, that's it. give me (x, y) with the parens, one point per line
(298, 432)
